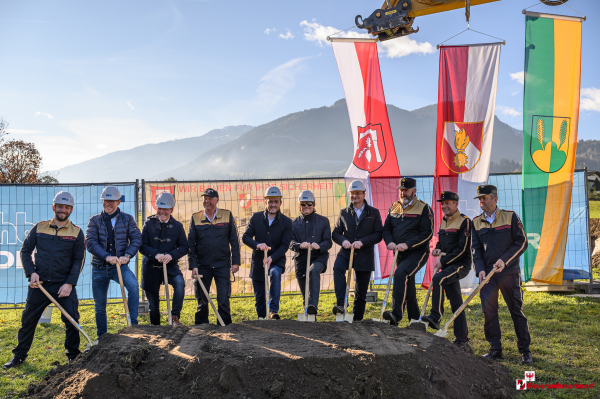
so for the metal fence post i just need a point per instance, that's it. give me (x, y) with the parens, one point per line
(141, 201)
(587, 209)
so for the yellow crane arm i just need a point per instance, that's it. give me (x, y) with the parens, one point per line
(426, 7)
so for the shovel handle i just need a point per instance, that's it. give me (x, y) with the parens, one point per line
(307, 279)
(64, 312)
(123, 293)
(212, 304)
(167, 293)
(348, 282)
(429, 290)
(389, 285)
(267, 297)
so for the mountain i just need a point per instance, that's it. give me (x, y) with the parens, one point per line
(144, 161)
(316, 142)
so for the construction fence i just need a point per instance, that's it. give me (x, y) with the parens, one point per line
(21, 206)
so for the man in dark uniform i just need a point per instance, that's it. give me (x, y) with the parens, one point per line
(408, 229)
(268, 229)
(310, 230)
(455, 243)
(59, 258)
(163, 241)
(498, 241)
(214, 253)
(358, 226)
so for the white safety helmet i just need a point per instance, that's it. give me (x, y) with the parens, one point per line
(110, 193)
(65, 198)
(165, 200)
(306, 195)
(273, 191)
(357, 185)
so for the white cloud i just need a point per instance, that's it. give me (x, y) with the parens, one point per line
(590, 99)
(269, 30)
(514, 92)
(288, 35)
(395, 48)
(518, 76)
(39, 113)
(130, 106)
(504, 110)
(101, 146)
(277, 82)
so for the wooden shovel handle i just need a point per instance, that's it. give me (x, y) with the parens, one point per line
(118, 265)
(167, 293)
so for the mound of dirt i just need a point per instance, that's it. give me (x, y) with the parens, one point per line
(276, 359)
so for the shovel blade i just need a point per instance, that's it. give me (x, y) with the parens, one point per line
(89, 345)
(306, 317)
(441, 333)
(262, 318)
(382, 321)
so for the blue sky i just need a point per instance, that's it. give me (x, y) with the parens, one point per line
(82, 79)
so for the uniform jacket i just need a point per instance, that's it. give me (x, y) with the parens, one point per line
(412, 226)
(213, 244)
(455, 242)
(60, 252)
(277, 236)
(366, 229)
(505, 239)
(161, 238)
(128, 238)
(310, 228)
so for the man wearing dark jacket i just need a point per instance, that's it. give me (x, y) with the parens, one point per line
(454, 263)
(214, 253)
(498, 241)
(59, 258)
(310, 230)
(113, 238)
(408, 229)
(268, 229)
(163, 241)
(357, 226)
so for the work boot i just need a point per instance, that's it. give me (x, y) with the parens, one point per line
(273, 315)
(526, 358)
(387, 315)
(493, 355)
(175, 321)
(72, 358)
(338, 310)
(432, 323)
(312, 309)
(14, 362)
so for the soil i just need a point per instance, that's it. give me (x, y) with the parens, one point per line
(594, 235)
(276, 359)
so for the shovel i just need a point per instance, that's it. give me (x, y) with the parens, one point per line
(444, 331)
(387, 290)
(167, 293)
(68, 316)
(426, 300)
(305, 316)
(267, 292)
(349, 317)
(212, 304)
(123, 293)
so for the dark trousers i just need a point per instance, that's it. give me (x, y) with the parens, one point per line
(177, 295)
(360, 288)
(448, 281)
(223, 283)
(37, 302)
(404, 293)
(510, 286)
(314, 284)
(260, 299)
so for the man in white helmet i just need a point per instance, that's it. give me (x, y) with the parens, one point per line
(268, 229)
(59, 248)
(310, 230)
(358, 226)
(163, 241)
(113, 238)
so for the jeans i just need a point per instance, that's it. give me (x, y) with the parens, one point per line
(177, 299)
(100, 281)
(275, 273)
(361, 287)
(221, 276)
(314, 284)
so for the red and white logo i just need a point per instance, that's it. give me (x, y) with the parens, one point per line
(156, 191)
(521, 385)
(461, 146)
(530, 376)
(244, 200)
(370, 152)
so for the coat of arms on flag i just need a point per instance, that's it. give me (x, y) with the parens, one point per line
(156, 191)
(370, 152)
(550, 142)
(244, 200)
(461, 146)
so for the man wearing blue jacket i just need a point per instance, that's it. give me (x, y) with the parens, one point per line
(113, 238)
(268, 229)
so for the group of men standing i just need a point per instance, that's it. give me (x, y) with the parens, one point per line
(493, 240)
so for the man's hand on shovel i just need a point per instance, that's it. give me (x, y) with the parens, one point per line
(34, 280)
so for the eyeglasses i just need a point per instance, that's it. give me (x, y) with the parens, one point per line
(306, 204)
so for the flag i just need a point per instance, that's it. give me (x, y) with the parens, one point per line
(374, 159)
(465, 127)
(550, 119)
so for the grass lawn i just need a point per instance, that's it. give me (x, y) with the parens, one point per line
(594, 209)
(564, 331)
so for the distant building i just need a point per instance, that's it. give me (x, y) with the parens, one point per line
(593, 181)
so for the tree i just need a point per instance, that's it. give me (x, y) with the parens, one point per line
(170, 179)
(3, 132)
(47, 178)
(20, 162)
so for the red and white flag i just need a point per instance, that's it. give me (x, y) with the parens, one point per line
(374, 159)
(465, 128)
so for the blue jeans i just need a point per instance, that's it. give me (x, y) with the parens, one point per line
(274, 288)
(177, 299)
(100, 281)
